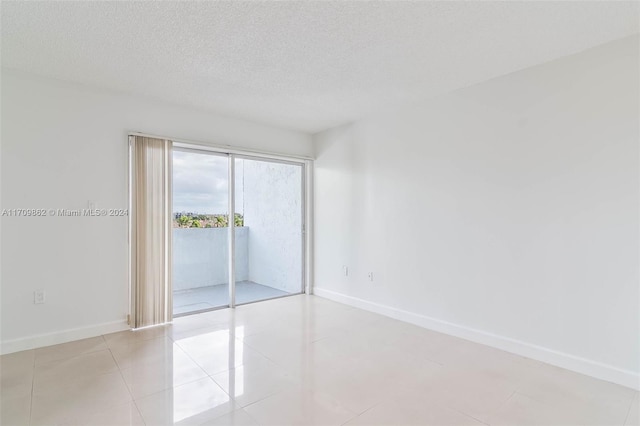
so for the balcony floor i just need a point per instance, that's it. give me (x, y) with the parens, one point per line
(215, 296)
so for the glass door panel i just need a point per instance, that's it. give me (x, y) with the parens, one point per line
(200, 231)
(268, 233)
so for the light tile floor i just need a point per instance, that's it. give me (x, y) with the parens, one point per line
(297, 360)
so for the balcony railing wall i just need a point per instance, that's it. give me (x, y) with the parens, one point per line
(201, 257)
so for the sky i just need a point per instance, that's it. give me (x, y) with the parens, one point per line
(200, 183)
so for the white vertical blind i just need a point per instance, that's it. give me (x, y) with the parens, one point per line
(151, 222)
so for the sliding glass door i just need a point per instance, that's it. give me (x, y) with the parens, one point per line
(267, 224)
(200, 231)
(269, 201)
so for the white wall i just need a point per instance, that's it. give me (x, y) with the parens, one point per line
(505, 213)
(273, 213)
(62, 145)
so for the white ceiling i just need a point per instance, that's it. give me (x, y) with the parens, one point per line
(302, 65)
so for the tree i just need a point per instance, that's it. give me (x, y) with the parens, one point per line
(220, 221)
(191, 220)
(238, 220)
(184, 221)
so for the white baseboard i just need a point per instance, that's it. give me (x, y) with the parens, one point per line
(570, 362)
(64, 336)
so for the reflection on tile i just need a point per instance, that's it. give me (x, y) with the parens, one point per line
(299, 407)
(162, 374)
(193, 404)
(250, 383)
(297, 360)
(182, 332)
(139, 353)
(191, 323)
(219, 351)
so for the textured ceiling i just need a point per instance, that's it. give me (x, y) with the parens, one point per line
(301, 65)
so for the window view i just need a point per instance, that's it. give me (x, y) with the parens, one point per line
(200, 218)
(268, 230)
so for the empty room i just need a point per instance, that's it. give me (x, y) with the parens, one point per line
(320, 213)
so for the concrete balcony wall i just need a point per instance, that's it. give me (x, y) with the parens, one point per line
(272, 209)
(201, 257)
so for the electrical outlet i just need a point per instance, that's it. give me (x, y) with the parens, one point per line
(345, 269)
(370, 275)
(38, 297)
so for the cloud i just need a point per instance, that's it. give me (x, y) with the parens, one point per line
(200, 183)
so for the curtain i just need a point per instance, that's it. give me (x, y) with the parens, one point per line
(150, 231)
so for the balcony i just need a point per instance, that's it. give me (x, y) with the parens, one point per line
(201, 262)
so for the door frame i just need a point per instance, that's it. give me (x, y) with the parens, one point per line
(306, 164)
